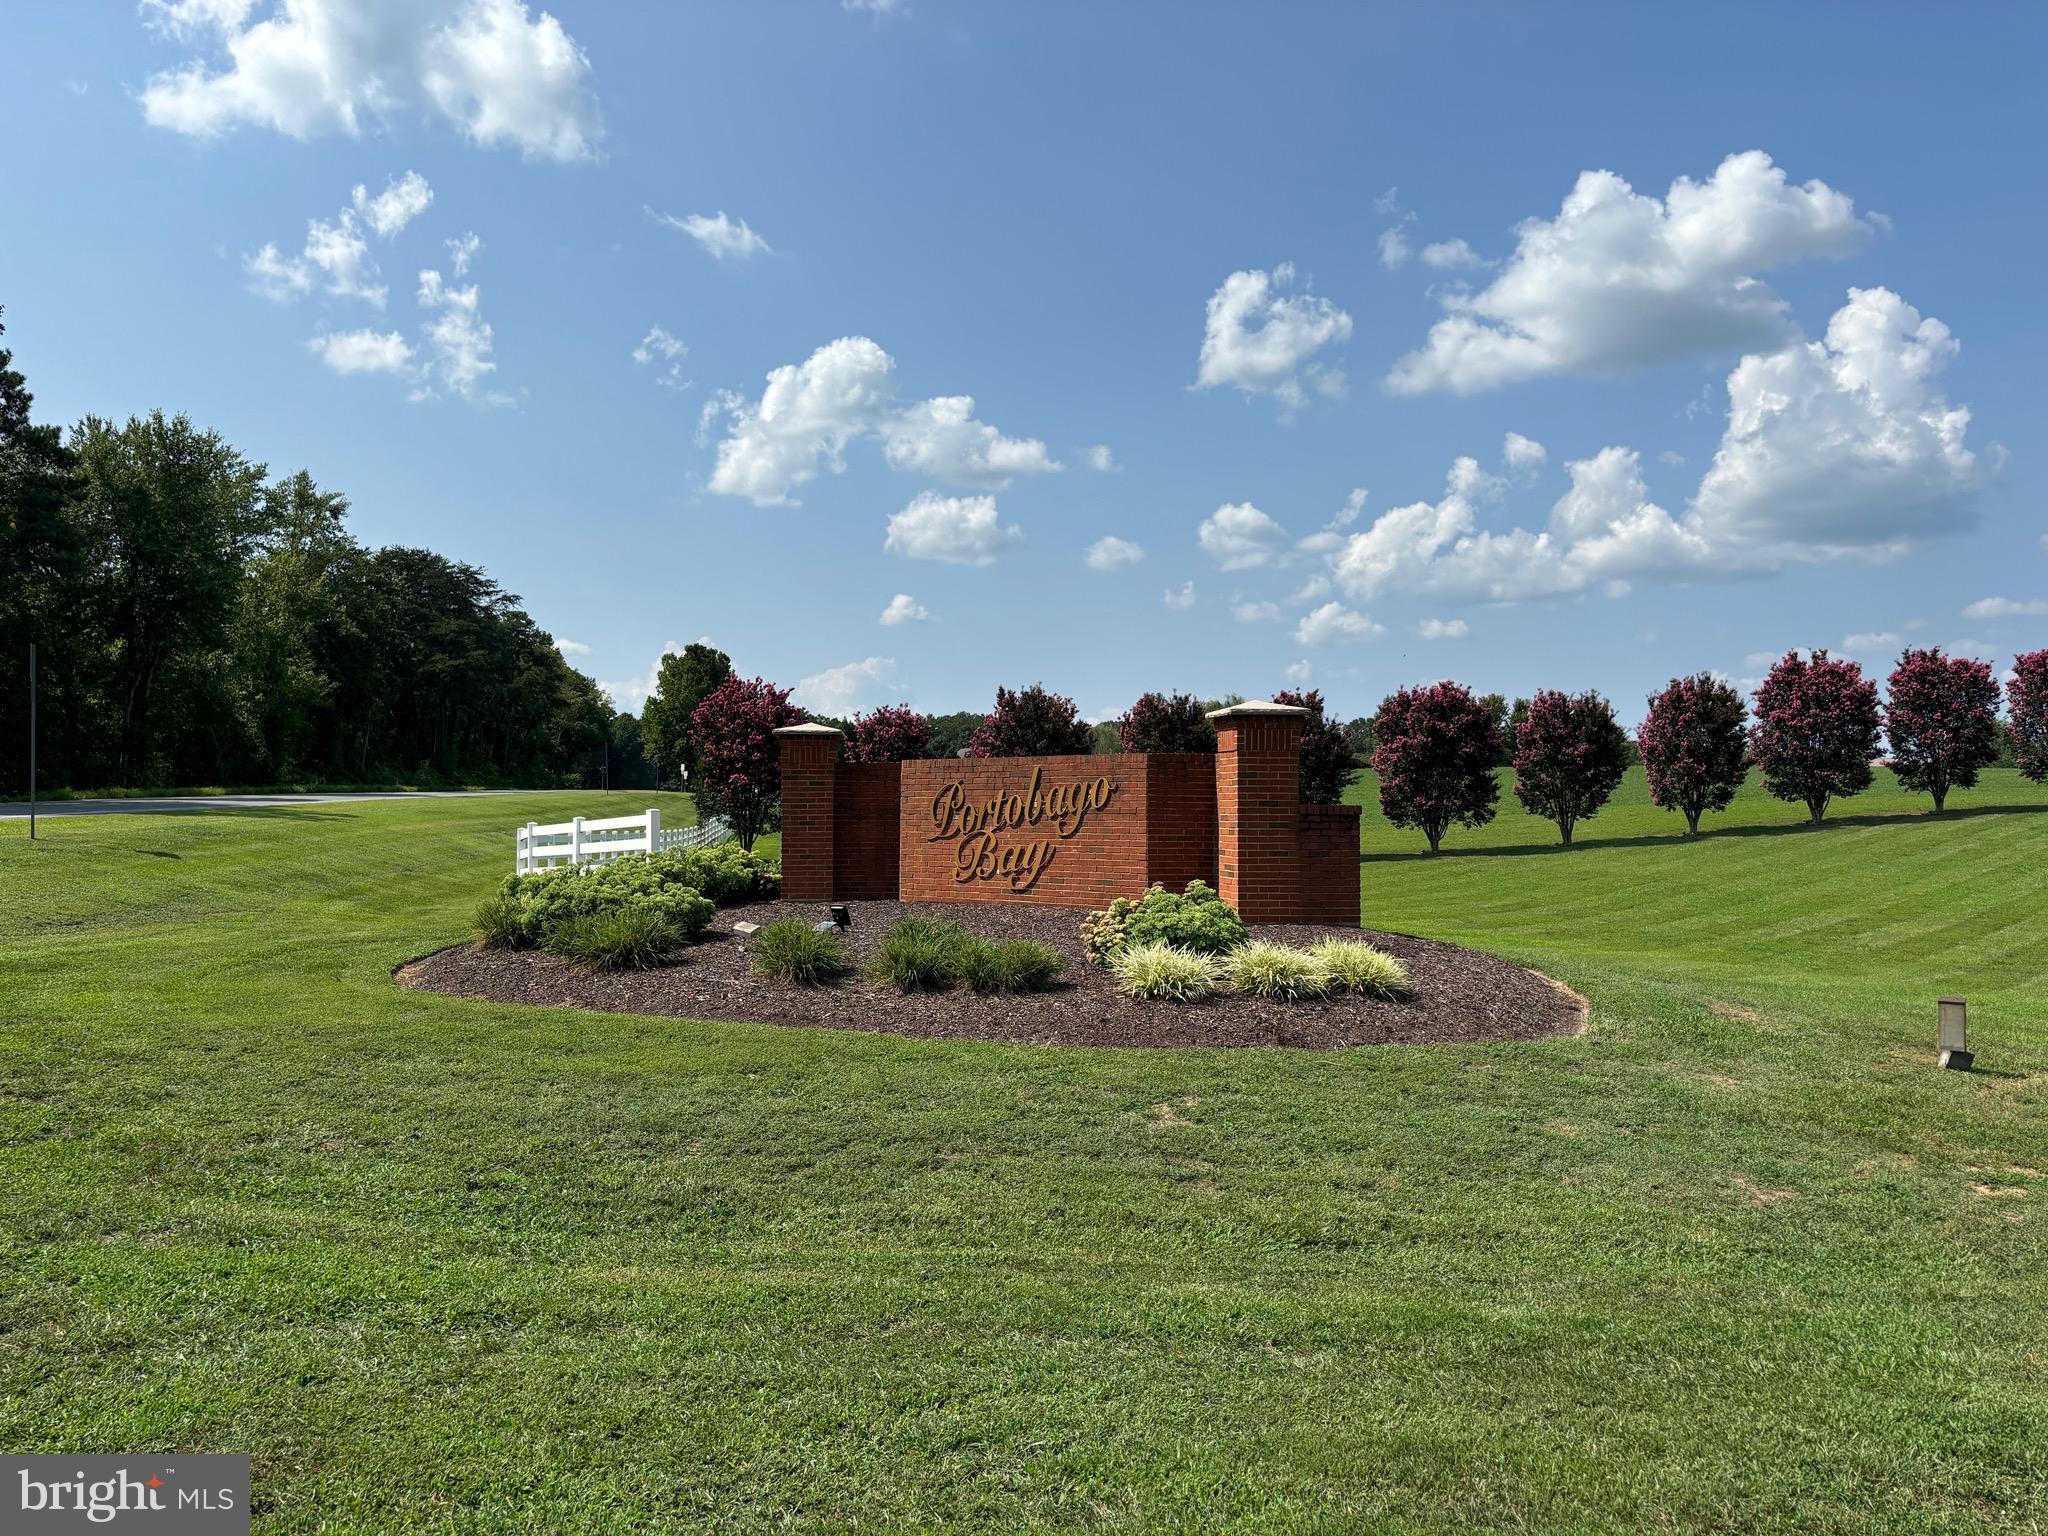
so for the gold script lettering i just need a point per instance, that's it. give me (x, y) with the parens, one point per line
(984, 854)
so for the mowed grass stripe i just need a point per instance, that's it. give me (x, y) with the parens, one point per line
(1721, 1263)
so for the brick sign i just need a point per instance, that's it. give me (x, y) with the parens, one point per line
(1072, 831)
(1012, 835)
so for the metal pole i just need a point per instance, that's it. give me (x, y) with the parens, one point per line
(31, 741)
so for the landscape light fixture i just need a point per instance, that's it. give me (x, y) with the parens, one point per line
(1952, 1033)
(743, 929)
(842, 915)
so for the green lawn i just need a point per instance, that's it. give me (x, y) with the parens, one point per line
(1739, 1259)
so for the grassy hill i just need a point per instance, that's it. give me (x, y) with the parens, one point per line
(1739, 1259)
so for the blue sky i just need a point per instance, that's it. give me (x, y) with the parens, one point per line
(1755, 289)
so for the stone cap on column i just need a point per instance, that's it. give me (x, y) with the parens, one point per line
(809, 728)
(1252, 709)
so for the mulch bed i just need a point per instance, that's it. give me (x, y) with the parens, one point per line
(1459, 994)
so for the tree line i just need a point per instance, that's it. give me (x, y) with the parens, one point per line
(201, 622)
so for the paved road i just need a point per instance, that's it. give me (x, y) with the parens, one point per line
(17, 810)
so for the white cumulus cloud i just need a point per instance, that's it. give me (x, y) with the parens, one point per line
(904, 609)
(2005, 608)
(955, 530)
(1182, 596)
(1451, 255)
(1523, 455)
(811, 411)
(1443, 629)
(1333, 621)
(363, 351)
(403, 199)
(1620, 280)
(840, 690)
(1238, 536)
(495, 70)
(1101, 460)
(1110, 552)
(1264, 340)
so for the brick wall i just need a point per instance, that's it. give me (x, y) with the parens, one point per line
(866, 835)
(1329, 864)
(809, 770)
(1180, 818)
(1258, 800)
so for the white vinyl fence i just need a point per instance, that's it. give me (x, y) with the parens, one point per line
(580, 841)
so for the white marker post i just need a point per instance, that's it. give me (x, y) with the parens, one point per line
(1952, 1033)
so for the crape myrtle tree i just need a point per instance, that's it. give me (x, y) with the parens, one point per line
(1031, 722)
(894, 733)
(1815, 730)
(1435, 750)
(739, 774)
(1327, 766)
(1166, 722)
(1695, 751)
(1941, 718)
(1569, 757)
(2027, 709)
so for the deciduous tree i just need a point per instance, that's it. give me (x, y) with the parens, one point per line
(685, 679)
(1031, 722)
(2027, 713)
(1570, 755)
(1941, 719)
(893, 733)
(1166, 722)
(1694, 748)
(1815, 730)
(1434, 751)
(739, 774)
(1327, 766)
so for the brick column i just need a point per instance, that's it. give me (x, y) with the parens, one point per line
(810, 770)
(1258, 809)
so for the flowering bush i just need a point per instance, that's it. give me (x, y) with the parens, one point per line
(1694, 750)
(1569, 756)
(739, 772)
(1031, 723)
(2028, 701)
(727, 873)
(1434, 751)
(1328, 767)
(1195, 919)
(894, 733)
(1942, 721)
(1166, 722)
(1815, 730)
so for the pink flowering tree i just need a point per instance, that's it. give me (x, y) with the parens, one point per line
(1941, 718)
(739, 761)
(1695, 752)
(894, 733)
(1030, 722)
(1327, 766)
(1569, 757)
(1434, 751)
(2027, 713)
(1166, 722)
(1815, 730)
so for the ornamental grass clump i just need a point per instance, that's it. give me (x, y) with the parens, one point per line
(1277, 972)
(795, 952)
(1352, 965)
(921, 954)
(625, 939)
(500, 925)
(1161, 973)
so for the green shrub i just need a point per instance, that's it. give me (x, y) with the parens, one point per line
(1355, 966)
(1275, 971)
(499, 925)
(1165, 974)
(1196, 919)
(1025, 965)
(922, 954)
(727, 873)
(656, 883)
(634, 938)
(793, 951)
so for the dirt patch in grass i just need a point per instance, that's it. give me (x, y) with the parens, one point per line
(1459, 994)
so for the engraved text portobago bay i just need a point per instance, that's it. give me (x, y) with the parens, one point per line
(994, 834)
